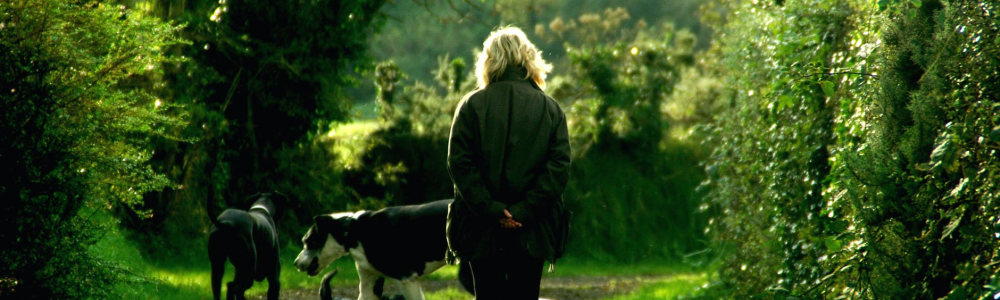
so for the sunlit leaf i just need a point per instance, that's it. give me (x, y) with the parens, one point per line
(956, 219)
(785, 101)
(827, 88)
(832, 244)
(944, 154)
(957, 192)
(958, 293)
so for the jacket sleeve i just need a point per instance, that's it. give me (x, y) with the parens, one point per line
(465, 172)
(551, 182)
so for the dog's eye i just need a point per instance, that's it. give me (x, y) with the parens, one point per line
(312, 241)
(311, 246)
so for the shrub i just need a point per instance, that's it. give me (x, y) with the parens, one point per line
(858, 159)
(78, 114)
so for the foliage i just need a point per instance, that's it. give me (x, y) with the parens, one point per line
(857, 159)
(626, 81)
(632, 184)
(77, 83)
(403, 160)
(418, 32)
(927, 170)
(769, 170)
(263, 81)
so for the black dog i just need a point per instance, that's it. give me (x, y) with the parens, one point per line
(249, 239)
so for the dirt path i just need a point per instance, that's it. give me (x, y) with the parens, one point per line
(556, 288)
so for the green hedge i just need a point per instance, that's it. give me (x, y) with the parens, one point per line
(858, 159)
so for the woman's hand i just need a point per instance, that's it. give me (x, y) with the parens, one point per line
(509, 222)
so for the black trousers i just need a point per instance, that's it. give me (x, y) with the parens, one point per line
(512, 275)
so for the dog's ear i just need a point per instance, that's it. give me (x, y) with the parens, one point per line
(338, 226)
(279, 198)
(279, 201)
(330, 223)
(323, 222)
(253, 198)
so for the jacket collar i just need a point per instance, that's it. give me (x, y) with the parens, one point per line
(514, 74)
(517, 74)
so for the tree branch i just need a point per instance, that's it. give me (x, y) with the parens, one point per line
(232, 88)
(837, 73)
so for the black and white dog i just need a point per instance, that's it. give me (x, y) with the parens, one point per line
(249, 239)
(401, 242)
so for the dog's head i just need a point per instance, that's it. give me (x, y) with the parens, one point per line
(328, 239)
(272, 202)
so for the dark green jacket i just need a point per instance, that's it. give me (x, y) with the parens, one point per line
(508, 149)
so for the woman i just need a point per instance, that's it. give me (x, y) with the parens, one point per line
(509, 158)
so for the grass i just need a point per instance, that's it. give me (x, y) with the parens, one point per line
(186, 275)
(448, 294)
(191, 280)
(667, 287)
(174, 274)
(665, 281)
(153, 282)
(365, 110)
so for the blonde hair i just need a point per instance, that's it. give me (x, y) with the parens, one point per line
(508, 47)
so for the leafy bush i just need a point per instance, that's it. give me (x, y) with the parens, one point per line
(858, 159)
(79, 110)
(770, 168)
(927, 169)
(263, 81)
(403, 161)
(633, 181)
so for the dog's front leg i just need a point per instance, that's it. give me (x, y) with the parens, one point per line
(412, 290)
(367, 286)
